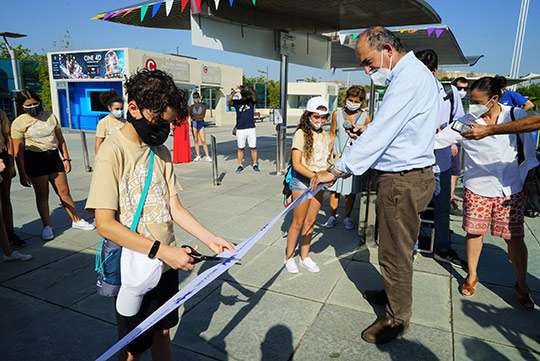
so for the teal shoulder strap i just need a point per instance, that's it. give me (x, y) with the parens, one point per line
(144, 192)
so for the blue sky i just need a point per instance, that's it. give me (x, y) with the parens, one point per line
(480, 26)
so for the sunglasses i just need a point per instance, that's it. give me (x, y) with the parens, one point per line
(462, 87)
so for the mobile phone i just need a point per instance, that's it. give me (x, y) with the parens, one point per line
(460, 126)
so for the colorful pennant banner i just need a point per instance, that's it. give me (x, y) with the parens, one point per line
(144, 9)
(155, 8)
(130, 10)
(217, 3)
(168, 6)
(184, 3)
(438, 32)
(197, 8)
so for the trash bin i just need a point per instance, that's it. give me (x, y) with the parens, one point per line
(181, 144)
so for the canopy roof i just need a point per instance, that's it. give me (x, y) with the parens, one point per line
(314, 16)
(439, 38)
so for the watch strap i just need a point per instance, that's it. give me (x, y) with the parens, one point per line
(154, 249)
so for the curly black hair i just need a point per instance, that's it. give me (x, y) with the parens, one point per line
(109, 97)
(155, 90)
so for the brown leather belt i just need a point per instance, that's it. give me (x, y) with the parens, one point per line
(403, 172)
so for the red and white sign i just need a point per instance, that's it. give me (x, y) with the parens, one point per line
(150, 64)
(205, 69)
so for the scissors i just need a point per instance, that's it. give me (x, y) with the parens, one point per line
(197, 257)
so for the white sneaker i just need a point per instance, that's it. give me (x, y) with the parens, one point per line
(82, 224)
(290, 265)
(197, 158)
(16, 256)
(47, 233)
(208, 159)
(348, 223)
(330, 223)
(308, 264)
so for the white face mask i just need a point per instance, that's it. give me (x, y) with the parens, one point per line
(380, 75)
(462, 93)
(117, 113)
(316, 126)
(196, 100)
(352, 106)
(477, 110)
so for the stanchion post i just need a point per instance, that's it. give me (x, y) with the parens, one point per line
(214, 161)
(86, 159)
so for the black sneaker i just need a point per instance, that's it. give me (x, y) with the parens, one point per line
(451, 257)
(15, 240)
(239, 169)
(454, 208)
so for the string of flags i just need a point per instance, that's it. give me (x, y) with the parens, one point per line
(344, 37)
(155, 6)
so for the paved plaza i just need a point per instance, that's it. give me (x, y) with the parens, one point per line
(258, 311)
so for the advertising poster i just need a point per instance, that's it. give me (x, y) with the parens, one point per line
(89, 65)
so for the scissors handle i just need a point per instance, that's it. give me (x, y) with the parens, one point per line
(197, 257)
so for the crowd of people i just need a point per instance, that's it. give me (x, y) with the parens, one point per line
(413, 144)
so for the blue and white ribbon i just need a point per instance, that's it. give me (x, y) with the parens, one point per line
(203, 279)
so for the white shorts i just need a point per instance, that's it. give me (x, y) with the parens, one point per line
(246, 134)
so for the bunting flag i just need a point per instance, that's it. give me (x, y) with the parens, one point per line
(130, 10)
(334, 71)
(109, 14)
(342, 38)
(254, 2)
(438, 32)
(168, 6)
(100, 16)
(118, 13)
(429, 31)
(144, 9)
(217, 3)
(412, 31)
(184, 3)
(355, 36)
(197, 8)
(155, 8)
(230, 2)
(403, 30)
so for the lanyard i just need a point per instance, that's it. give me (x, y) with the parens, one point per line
(357, 115)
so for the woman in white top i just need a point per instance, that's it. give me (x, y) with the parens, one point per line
(197, 111)
(496, 170)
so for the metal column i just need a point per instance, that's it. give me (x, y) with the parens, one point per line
(215, 171)
(281, 130)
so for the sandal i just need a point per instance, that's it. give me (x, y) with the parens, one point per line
(524, 298)
(469, 287)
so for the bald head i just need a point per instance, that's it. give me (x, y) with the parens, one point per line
(373, 42)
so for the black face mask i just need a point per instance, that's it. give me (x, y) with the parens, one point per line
(151, 134)
(33, 110)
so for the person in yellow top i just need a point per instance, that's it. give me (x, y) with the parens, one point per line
(6, 154)
(113, 121)
(309, 154)
(37, 137)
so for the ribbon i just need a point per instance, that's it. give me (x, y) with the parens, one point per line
(204, 278)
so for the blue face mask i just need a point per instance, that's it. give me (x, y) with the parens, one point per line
(117, 114)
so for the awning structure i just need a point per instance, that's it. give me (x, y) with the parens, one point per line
(439, 38)
(313, 16)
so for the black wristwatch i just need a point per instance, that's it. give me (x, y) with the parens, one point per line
(67, 160)
(153, 250)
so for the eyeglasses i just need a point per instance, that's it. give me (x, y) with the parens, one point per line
(462, 87)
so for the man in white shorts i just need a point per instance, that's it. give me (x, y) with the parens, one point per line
(245, 124)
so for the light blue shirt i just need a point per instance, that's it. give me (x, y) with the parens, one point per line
(401, 136)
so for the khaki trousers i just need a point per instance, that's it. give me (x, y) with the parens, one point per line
(400, 198)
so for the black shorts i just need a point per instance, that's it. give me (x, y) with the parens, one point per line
(166, 288)
(4, 155)
(37, 164)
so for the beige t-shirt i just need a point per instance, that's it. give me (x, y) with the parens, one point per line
(321, 149)
(109, 125)
(5, 126)
(38, 133)
(120, 170)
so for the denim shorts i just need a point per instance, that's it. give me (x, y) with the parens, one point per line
(197, 124)
(299, 182)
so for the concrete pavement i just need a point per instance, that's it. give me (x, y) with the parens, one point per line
(257, 311)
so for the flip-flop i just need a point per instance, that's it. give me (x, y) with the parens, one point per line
(469, 287)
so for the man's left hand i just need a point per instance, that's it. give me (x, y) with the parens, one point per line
(321, 177)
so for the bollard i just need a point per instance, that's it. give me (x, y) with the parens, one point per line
(217, 182)
(278, 149)
(86, 159)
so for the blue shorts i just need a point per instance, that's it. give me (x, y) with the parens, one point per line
(197, 124)
(299, 182)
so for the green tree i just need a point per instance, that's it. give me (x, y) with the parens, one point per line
(532, 92)
(273, 93)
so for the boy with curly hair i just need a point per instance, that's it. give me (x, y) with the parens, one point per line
(121, 167)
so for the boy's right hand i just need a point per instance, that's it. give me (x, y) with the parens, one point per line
(176, 257)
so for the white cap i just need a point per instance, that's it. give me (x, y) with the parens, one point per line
(315, 103)
(139, 275)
